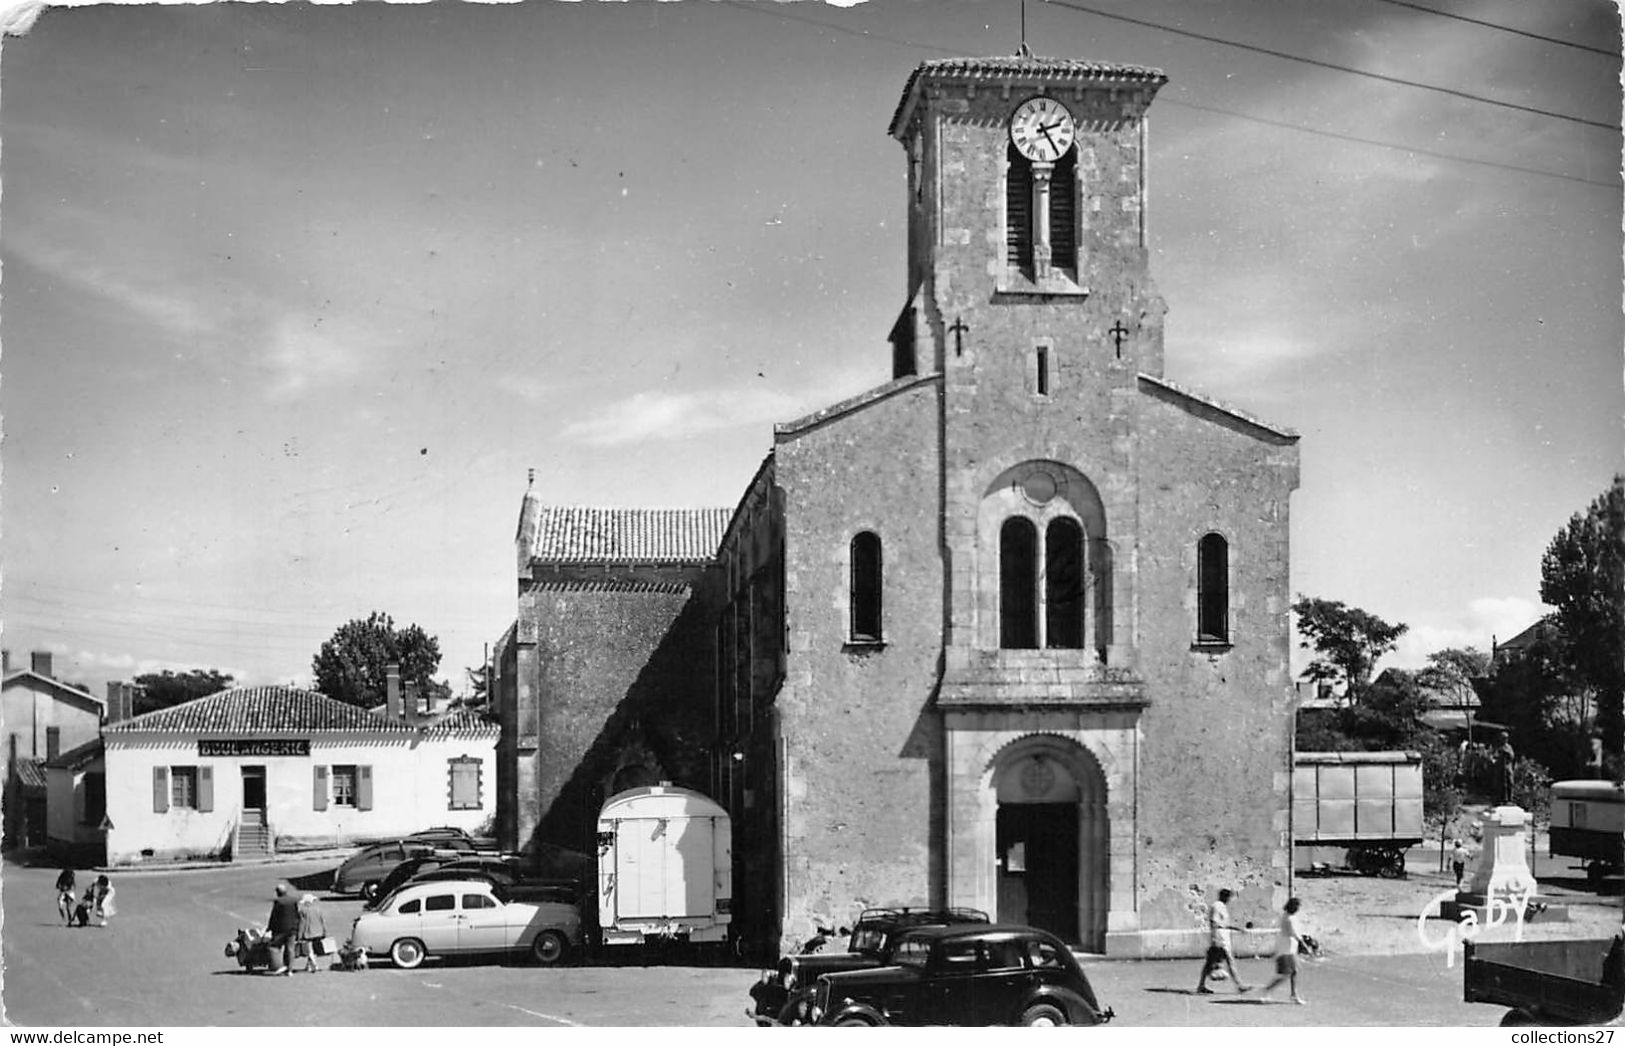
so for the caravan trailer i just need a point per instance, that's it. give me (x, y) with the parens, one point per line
(665, 867)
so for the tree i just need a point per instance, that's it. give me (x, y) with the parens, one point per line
(1582, 575)
(350, 666)
(1452, 671)
(166, 689)
(1348, 640)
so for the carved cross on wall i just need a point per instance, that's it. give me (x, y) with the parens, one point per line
(959, 331)
(1118, 333)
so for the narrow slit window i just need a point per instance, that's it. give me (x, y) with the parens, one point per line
(1212, 590)
(1041, 375)
(865, 627)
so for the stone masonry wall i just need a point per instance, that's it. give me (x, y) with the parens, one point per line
(1215, 761)
(861, 746)
(620, 675)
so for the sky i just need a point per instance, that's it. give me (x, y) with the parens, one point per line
(294, 297)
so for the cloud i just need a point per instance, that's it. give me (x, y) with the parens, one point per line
(1487, 620)
(527, 387)
(676, 415)
(155, 301)
(304, 352)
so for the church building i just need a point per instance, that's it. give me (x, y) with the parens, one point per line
(1007, 631)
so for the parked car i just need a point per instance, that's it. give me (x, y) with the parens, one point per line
(404, 872)
(521, 887)
(506, 868)
(446, 832)
(964, 975)
(465, 917)
(365, 869)
(786, 995)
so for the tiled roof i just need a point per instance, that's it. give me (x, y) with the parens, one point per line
(82, 755)
(611, 585)
(257, 710)
(30, 772)
(628, 535)
(464, 721)
(1028, 68)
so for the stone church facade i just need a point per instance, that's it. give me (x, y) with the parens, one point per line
(1008, 631)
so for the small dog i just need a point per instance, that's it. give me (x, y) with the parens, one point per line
(352, 957)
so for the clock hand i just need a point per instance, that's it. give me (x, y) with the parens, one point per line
(1044, 130)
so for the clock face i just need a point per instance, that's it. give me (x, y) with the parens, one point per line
(1041, 129)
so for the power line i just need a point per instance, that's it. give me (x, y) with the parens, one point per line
(1503, 28)
(773, 10)
(1386, 145)
(1332, 65)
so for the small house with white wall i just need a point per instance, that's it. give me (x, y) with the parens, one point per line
(276, 769)
(41, 717)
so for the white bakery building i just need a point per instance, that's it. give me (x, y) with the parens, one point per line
(273, 769)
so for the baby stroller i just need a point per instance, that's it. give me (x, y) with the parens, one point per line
(252, 949)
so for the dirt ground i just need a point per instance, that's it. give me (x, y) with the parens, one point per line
(1360, 915)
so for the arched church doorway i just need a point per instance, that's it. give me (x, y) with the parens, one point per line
(1051, 840)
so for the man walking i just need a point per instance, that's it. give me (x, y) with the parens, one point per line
(283, 927)
(1218, 946)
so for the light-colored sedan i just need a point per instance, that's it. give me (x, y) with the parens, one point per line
(465, 917)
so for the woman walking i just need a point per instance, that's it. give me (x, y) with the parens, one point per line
(312, 929)
(1288, 939)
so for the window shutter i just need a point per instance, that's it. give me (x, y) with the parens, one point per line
(205, 789)
(160, 789)
(318, 791)
(363, 788)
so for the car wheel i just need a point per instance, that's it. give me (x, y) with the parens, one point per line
(369, 892)
(549, 948)
(1042, 1015)
(407, 953)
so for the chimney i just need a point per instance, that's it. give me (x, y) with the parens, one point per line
(40, 662)
(411, 702)
(428, 702)
(392, 691)
(120, 701)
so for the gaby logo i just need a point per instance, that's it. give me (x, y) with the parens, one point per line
(1497, 910)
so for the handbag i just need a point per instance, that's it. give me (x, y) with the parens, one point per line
(326, 946)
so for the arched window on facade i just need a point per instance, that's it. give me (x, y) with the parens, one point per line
(1018, 584)
(866, 588)
(1063, 584)
(1212, 590)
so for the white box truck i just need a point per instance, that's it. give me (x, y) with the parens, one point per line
(665, 867)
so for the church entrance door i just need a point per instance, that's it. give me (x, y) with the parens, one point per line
(1038, 866)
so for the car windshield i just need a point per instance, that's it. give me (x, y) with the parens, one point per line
(867, 939)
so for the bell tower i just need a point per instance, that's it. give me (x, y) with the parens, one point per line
(1027, 195)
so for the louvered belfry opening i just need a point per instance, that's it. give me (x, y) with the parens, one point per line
(1018, 211)
(1063, 212)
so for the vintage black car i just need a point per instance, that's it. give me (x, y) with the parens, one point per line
(964, 975)
(785, 996)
